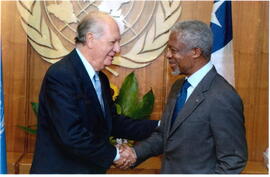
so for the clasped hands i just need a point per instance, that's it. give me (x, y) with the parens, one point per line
(127, 156)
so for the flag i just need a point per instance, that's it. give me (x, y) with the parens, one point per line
(222, 51)
(3, 157)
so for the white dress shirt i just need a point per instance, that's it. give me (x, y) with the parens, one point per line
(89, 68)
(196, 77)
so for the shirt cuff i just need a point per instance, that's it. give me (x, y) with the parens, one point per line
(117, 156)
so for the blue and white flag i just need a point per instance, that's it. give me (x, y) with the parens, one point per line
(222, 51)
(3, 157)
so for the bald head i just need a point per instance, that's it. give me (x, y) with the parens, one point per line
(94, 22)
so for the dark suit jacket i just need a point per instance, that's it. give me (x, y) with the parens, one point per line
(73, 134)
(208, 136)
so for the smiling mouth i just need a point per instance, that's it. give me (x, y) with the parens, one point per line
(110, 57)
(172, 62)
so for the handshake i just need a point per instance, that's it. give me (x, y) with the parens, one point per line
(127, 156)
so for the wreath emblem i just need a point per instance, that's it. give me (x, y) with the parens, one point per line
(51, 26)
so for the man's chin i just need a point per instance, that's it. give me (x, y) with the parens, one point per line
(108, 62)
(176, 72)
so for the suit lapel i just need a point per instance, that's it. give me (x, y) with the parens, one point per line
(171, 103)
(105, 97)
(193, 102)
(195, 99)
(89, 89)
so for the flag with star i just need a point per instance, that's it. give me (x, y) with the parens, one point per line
(222, 51)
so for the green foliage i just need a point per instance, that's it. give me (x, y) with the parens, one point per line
(130, 104)
(28, 129)
(32, 129)
(35, 107)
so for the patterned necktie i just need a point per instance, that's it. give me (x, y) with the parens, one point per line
(181, 99)
(99, 91)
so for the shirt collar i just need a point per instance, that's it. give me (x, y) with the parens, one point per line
(196, 77)
(89, 68)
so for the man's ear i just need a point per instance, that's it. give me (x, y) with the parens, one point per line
(89, 40)
(196, 52)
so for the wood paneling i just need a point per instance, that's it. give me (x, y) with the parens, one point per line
(23, 71)
(14, 60)
(251, 71)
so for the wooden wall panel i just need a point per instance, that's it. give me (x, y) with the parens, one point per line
(37, 69)
(251, 70)
(24, 70)
(14, 51)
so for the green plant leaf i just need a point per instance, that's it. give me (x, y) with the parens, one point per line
(145, 106)
(35, 108)
(129, 102)
(112, 140)
(118, 109)
(127, 97)
(28, 129)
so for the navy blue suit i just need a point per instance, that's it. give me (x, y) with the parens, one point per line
(73, 134)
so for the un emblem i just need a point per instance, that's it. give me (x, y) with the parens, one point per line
(144, 25)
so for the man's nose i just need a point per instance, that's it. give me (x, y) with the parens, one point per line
(117, 47)
(168, 53)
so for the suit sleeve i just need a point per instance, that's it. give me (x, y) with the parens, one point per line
(66, 123)
(152, 146)
(124, 127)
(227, 125)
